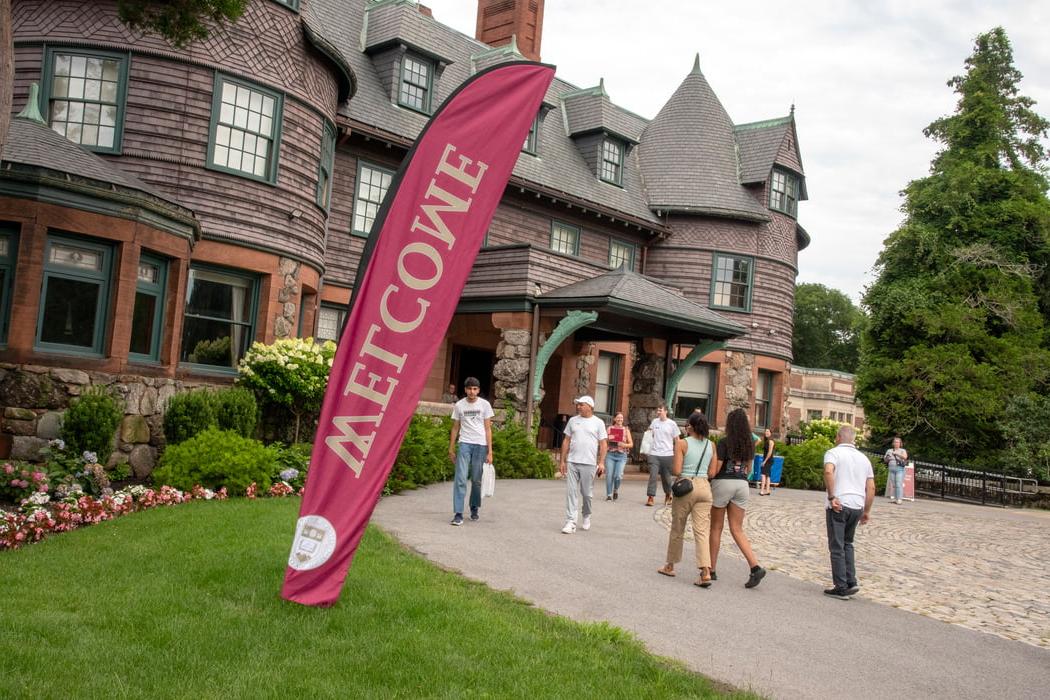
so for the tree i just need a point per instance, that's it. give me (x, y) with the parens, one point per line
(957, 315)
(178, 21)
(827, 329)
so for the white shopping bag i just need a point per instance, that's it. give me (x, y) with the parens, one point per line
(647, 442)
(488, 479)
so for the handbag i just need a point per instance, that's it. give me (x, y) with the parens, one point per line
(684, 485)
(488, 479)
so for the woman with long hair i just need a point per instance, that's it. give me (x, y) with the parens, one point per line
(692, 458)
(728, 473)
(620, 444)
(768, 447)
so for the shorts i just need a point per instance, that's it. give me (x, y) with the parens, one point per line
(726, 491)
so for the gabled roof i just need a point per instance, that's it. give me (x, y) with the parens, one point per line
(626, 294)
(688, 156)
(759, 144)
(591, 110)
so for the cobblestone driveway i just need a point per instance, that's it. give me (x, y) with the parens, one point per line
(984, 568)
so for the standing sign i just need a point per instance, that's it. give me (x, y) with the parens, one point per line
(909, 482)
(416, 262)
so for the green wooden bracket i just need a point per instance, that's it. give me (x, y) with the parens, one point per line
(573, 321)
(698, 351)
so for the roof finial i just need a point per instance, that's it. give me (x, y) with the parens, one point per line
(601, 87)
(696, 64)
(31, 111)
(514, 43)
(792, 109)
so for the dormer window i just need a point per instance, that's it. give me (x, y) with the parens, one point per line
(783, 192)
(530, 141)
(610, 169)
(417, 81)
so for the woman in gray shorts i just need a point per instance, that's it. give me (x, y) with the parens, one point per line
(728, 475)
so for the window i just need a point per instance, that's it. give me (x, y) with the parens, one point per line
(621, 254)
(764, 400)
(813, 414)
(565, 238)
(607, 389)
(218, 325)
(74, 298)
(783, 192)
(731, 282)
(416, 83)
(530, 140)
(85, 92)
(611, 166)
(8, 248)
(147, 317)
(290, 4)
(324, 166)
(696, 390)
(245, 129)
(372, 185)
(330, 322)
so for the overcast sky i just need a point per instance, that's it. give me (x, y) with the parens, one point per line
(865, 77)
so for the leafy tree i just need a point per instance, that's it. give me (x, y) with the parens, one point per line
(957, 316)
(827, 329)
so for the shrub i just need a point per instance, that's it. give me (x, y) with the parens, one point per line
(90, 423)
(188, 414)
(235, 409)
(290, 464)
(515, 455)
(423, 457)
(214, 459)
(18, 481)
(804, 464)
(822, 426)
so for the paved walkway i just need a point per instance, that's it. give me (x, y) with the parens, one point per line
(980, 568)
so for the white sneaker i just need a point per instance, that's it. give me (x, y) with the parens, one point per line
(570, 527)
(587, 523)
(899, 501)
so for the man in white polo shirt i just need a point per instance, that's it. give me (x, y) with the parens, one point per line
(850, 484)
(582, 454)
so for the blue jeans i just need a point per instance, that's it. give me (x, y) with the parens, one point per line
(472, 457)
(897, 479)
(614, 464)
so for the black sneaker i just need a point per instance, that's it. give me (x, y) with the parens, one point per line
(458, 519)
(714, 576)
(616, 495)
(839, 593)
(853, 590)
(473, 513)
(757, 574)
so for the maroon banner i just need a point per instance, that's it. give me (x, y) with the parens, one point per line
(419, 256)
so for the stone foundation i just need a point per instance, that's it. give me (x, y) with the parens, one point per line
(511, 373)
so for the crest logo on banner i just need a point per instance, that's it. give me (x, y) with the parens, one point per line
(412, 272)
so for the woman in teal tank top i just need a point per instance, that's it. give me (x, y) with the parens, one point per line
(691, 460)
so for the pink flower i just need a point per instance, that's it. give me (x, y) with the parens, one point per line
(42, 488)
(19, 536)
(8, 469)
(39, 476)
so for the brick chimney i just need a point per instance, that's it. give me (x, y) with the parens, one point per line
(499, 20)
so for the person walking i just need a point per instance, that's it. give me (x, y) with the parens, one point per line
(470, 446)
(692, 459)
(896, 458)
(582, 454)
(664, 431)
(850, 483)
(728, 473)
(768, 447)
(620, 444)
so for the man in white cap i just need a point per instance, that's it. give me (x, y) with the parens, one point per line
(582, 454)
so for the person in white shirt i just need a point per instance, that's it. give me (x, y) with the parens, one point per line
(850, 483)
(582, 454)
(470, 446)
(665, 433)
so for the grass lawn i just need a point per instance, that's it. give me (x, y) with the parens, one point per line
(184, 602)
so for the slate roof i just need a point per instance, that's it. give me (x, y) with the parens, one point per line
(759, 144)
(637, 296)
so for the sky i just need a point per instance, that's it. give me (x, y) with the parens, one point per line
(865, 77)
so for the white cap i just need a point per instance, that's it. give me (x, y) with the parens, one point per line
(585, 399)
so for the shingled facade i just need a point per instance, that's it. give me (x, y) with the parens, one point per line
(168, 207)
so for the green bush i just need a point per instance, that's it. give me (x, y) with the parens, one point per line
(423, 457)
(804, 463)
(90, 423)
(291, 463)
(882, 473)
(235, 409)
(515, 455)
(822, 426)
(216, 458)
(188, 414)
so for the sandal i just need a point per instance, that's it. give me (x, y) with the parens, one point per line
(703, 582)
(666, 571)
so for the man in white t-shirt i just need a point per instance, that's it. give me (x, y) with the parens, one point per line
(582, 454)
(850, 484)
(472, 435)
(665, 432)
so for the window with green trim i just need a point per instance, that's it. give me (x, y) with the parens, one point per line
(290, 4)
(530, 140)
(84, 96)
(324, 166)
(218, 325)
(373, 182)
(783, 192)
(696, 390)
(74, 296)
(611, 166)
(330, 321)
(764, 400)
(731, 282)
(607, 383)
(8, 250)
(147, 317)
(417, 83)
(814, 414)
(245, 129)
(565, 238)
(621, 254)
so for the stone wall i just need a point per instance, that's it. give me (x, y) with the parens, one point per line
(33, 399)
(647, 384)
(739, 369)
(511, 373)
(284, 325)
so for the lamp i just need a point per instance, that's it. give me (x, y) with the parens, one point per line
(295, 214)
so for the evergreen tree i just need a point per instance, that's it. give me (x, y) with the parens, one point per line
(957, 316)
(826, 330)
